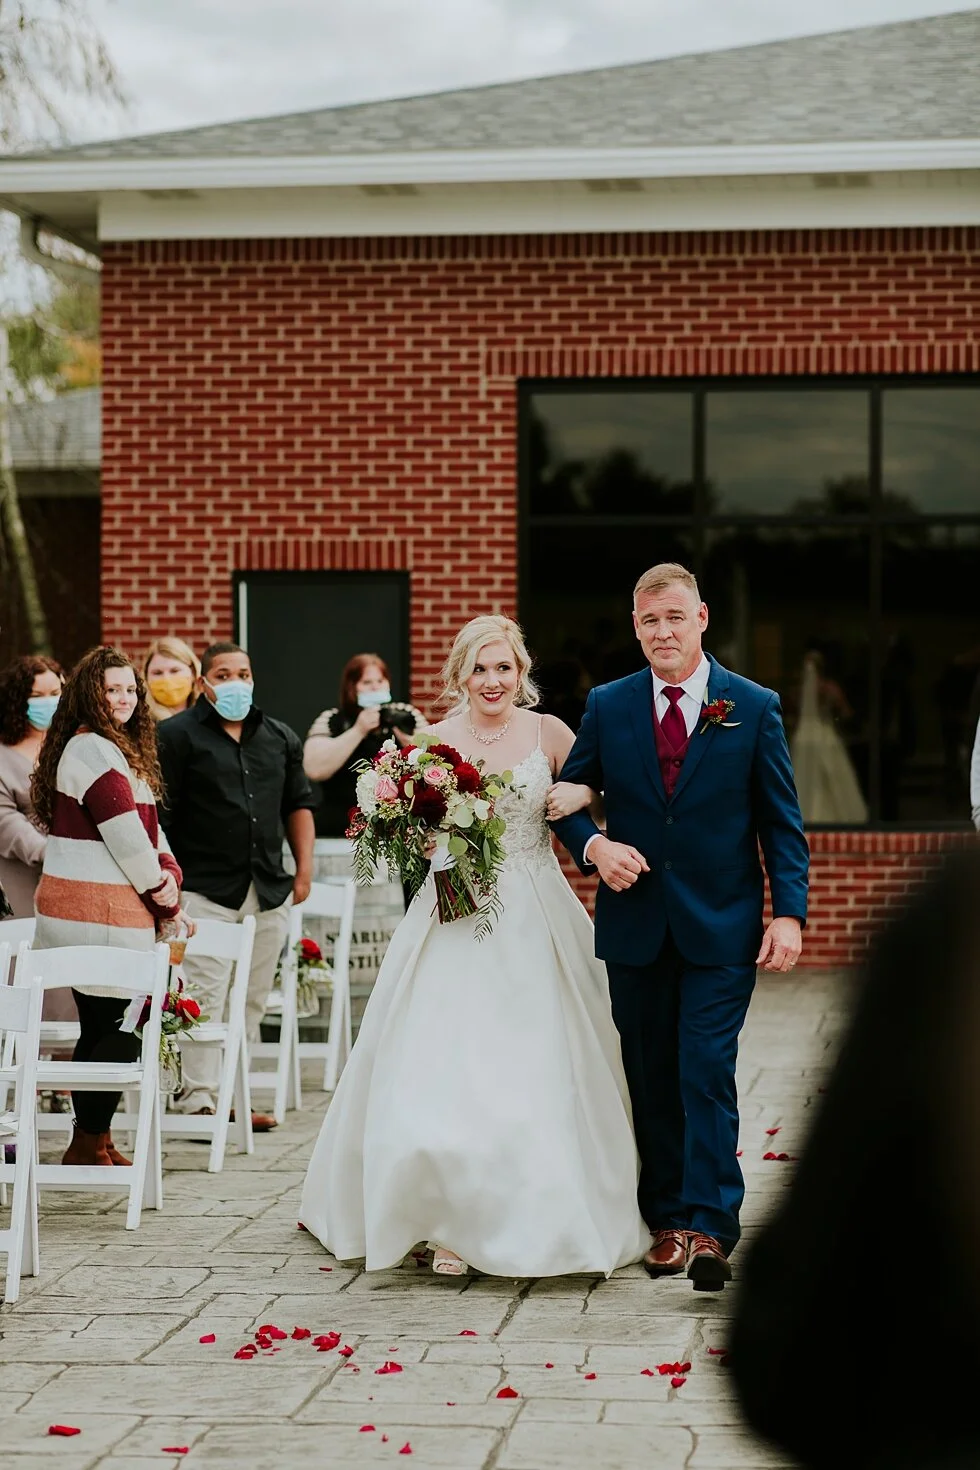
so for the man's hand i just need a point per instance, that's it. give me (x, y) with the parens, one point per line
(302, 884)
(782, 945)
(619, 864)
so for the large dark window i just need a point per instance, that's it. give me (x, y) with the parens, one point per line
(835, 530)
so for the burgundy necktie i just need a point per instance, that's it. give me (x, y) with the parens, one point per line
(672, 724)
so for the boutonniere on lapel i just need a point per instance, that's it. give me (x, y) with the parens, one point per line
(717, 712)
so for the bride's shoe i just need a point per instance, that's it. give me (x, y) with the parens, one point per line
(448, 1263)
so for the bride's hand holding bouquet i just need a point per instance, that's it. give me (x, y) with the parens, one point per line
(425, 802)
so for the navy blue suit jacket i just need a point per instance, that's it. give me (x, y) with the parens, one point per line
(734, 793)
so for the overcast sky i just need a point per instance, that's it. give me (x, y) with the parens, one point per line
(185, 62)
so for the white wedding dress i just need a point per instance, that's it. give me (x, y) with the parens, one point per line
(484, 1107)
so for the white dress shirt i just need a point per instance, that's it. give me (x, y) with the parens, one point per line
(695, 687)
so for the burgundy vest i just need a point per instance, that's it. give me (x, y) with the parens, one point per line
(670, 760)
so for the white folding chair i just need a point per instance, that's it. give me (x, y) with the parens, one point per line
(55, 1035)
(330, 899)
(126, 973)
(232, 942)
(20, 1020)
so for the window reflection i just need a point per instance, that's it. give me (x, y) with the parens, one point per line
(930, 671)
(787, 451)
(578, 606)
(771, 619)
(611, 453)
(931, 450)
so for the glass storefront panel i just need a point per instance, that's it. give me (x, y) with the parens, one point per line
(930, 691)
(786, 452)
(578, 606)
(931, 450)
(770, 617)
(611, 453)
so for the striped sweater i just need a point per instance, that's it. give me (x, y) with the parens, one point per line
(105, 855)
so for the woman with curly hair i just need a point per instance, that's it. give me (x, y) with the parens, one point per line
(30, 688)
(109, 877)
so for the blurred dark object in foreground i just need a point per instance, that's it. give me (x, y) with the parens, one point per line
(856, 1340)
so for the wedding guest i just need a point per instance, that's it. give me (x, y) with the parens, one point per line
(235, 791)
(364, 718)
(874, 1241)
(108, 876)
(171, 669)
(30, 688)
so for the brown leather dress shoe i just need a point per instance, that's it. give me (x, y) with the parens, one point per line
(261, 1122)
(707, 1264)
(668, 1254)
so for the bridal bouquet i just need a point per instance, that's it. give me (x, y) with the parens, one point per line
(405, 797)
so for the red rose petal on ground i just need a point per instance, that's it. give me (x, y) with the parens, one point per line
(390, 1368)
(278, 1335)
(771, 1131)
(684, 1368)
(466, 1332)
(326, 1340)
(644, 1372)
(326, 1268)
(366, 1429)
(738, 1153)
(588, 1375)
(508, 1393)
(346, 1352)
(208, 1337)
(450, 1403)
(770, 1156)
(549, 1365)
(299, 1334)
(66, 1430)
(384, 1439)
(269, 1327)
(300, 1226)
(175, 1449)
(677, 1382)
(718, 1352)
(406, 1449)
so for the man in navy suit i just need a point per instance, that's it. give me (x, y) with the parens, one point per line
(695, 771)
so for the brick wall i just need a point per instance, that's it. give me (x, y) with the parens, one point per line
(338, 403)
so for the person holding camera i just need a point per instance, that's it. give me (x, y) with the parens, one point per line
(365, 718)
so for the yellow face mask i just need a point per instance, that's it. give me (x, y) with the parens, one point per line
(170, 690)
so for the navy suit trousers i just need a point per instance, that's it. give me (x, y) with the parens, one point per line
(679, 1025)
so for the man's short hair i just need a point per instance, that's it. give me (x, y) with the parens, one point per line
(215, 651)
(664, 575)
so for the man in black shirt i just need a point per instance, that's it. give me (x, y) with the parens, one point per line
(235, 789)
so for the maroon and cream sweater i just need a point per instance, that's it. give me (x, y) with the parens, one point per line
(106, 855)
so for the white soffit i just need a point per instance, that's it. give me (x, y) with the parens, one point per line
(818, 201)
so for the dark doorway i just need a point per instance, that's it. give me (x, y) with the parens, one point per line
(300, 628)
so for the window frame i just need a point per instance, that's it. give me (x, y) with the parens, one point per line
(876, 519)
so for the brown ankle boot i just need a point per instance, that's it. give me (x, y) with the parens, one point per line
(114, 1154)
(87, 1148)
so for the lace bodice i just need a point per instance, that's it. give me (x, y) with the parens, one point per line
(527, 840)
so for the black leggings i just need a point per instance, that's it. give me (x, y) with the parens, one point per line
(101, 1041)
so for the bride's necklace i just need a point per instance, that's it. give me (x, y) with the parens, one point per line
(490, 739)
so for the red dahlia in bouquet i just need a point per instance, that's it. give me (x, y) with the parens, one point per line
(405, 796)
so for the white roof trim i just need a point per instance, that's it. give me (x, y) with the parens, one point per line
(67, 175)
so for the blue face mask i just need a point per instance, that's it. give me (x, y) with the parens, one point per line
(232, 700)
(374, 698)
(40, 710)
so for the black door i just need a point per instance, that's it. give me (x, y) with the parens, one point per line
(300, 628)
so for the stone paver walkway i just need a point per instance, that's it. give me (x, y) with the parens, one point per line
(108, 1339)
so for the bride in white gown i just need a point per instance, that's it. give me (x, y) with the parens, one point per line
(484, 1108)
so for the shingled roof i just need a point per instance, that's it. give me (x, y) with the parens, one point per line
(911, 80)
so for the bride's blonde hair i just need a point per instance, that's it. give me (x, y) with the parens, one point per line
(477, 633)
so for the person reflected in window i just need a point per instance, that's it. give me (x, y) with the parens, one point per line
(171, 669)
(975, 779)
(825, 777)
(355, 730)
